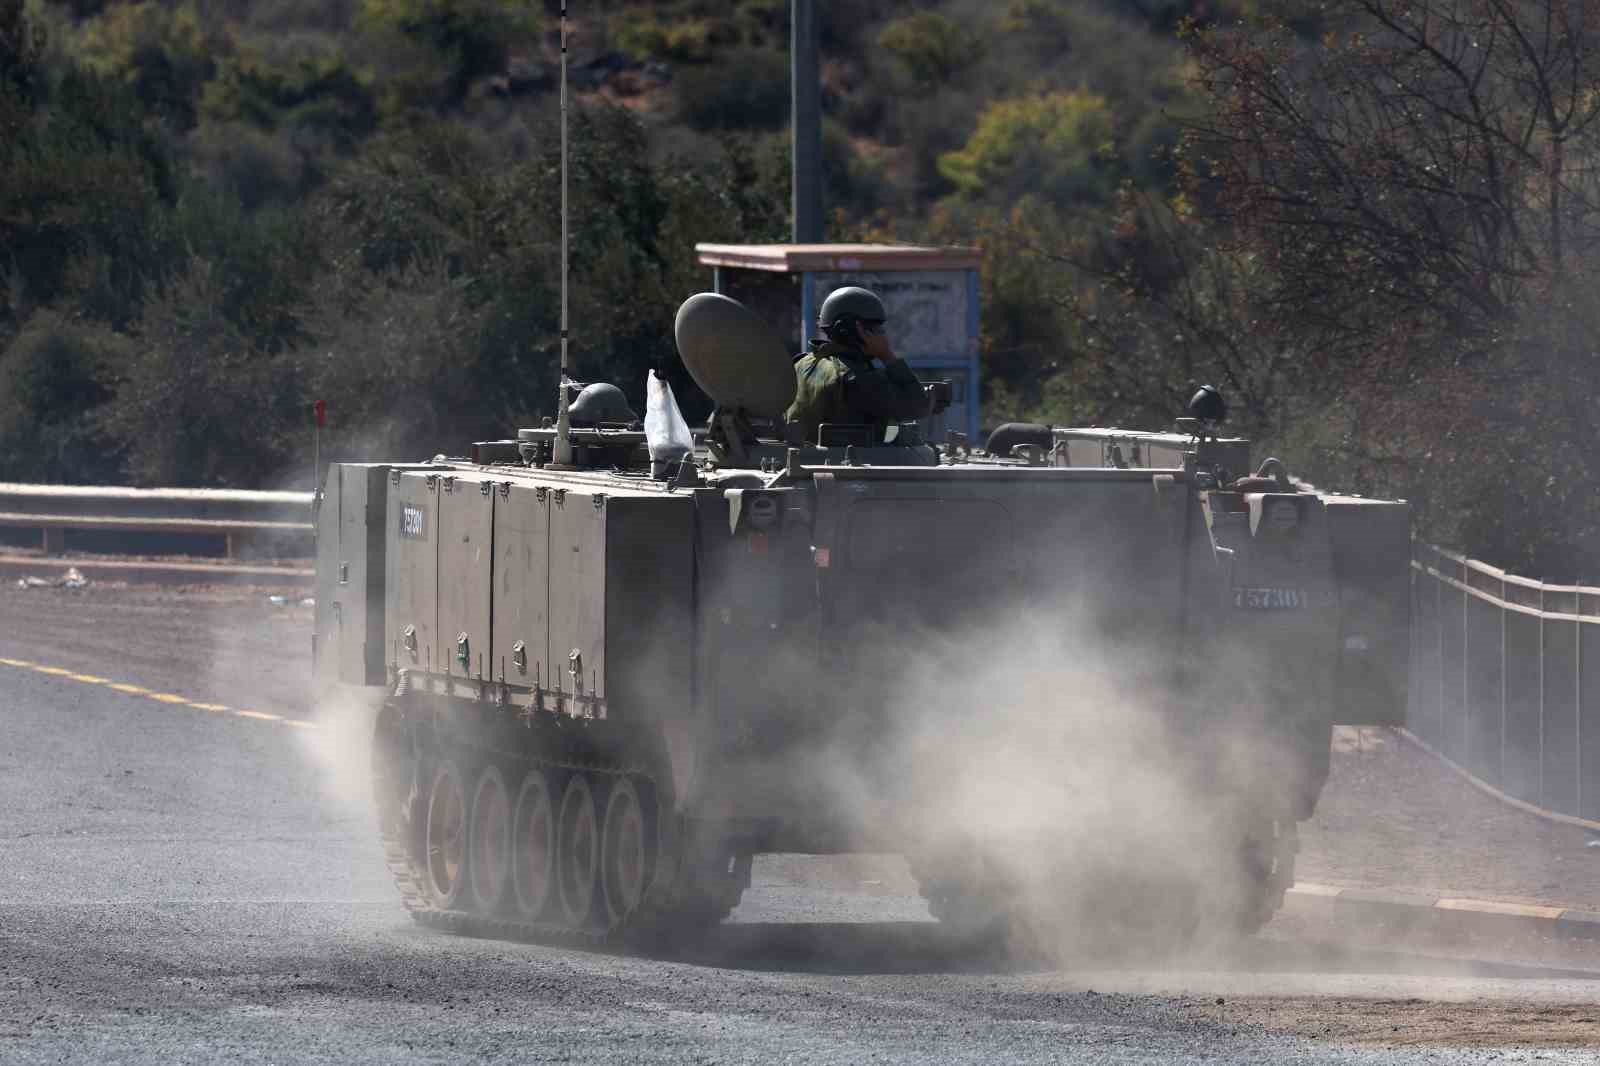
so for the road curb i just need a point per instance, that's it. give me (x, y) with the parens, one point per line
(154, 573)
(1477, 915)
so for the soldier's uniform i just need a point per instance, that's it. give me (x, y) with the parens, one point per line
(835, 384)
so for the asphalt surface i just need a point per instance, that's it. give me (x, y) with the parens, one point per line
(188, 885)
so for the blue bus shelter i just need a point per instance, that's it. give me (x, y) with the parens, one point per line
(931, 295)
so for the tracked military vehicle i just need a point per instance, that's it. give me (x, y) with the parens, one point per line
(608, 683)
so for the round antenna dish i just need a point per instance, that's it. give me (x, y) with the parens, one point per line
(734, 355)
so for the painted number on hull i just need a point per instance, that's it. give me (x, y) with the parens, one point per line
(413, 521)
(1269, 599)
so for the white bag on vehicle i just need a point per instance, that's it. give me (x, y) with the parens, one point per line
(665, 431)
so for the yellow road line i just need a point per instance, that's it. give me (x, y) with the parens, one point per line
(169, 698)
(1494, 906)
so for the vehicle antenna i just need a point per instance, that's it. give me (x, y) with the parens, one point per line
(561, 454)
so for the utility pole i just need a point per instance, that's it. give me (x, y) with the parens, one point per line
(805, 95)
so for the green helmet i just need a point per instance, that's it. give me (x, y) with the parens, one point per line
(599, 403)
(850, 303)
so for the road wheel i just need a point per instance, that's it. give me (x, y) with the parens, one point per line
(490, 849)
(627, 850)
(1267, 857)
(577, 851)
(533, 848)
(445, 836)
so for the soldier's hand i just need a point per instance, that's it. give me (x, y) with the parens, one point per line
(875, 342)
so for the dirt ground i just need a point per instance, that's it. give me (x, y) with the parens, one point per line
(1394, 816)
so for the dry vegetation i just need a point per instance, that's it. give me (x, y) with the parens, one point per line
(1371, 225)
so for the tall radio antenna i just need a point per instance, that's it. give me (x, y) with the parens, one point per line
(561, 454)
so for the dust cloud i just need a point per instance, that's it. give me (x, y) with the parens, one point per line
(341, 746)
(1044, 765)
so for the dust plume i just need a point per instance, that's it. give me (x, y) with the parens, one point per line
(341, 746)
(1073, 775)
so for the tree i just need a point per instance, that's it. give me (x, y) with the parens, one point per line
(1431, 162)
(1420, 186)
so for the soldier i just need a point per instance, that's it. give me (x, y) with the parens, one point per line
(836, 381)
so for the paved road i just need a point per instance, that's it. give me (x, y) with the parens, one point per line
(189, 885)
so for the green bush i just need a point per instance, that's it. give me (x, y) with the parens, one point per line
(199, 402)
(324, 96)
(935, 49)
(644, 34)
(84, 188)
(162, 52)
(1059, 145)
(254, 167)
(464, 40)
(53, 381)
(746, 89)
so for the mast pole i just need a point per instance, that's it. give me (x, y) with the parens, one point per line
(561, 454)
(805, 123)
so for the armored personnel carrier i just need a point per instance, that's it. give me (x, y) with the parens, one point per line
(608, 683)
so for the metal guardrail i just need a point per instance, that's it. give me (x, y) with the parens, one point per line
(232, 514)
(1505, 679)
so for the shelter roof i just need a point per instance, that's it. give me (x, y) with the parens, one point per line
(797, 258)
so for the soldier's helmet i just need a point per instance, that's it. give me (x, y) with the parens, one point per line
(599, 403)
(849, 304)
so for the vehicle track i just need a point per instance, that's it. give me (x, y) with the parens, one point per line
(688, 885)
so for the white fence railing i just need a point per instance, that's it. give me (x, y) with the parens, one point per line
(1505, 679)
(229, 514)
